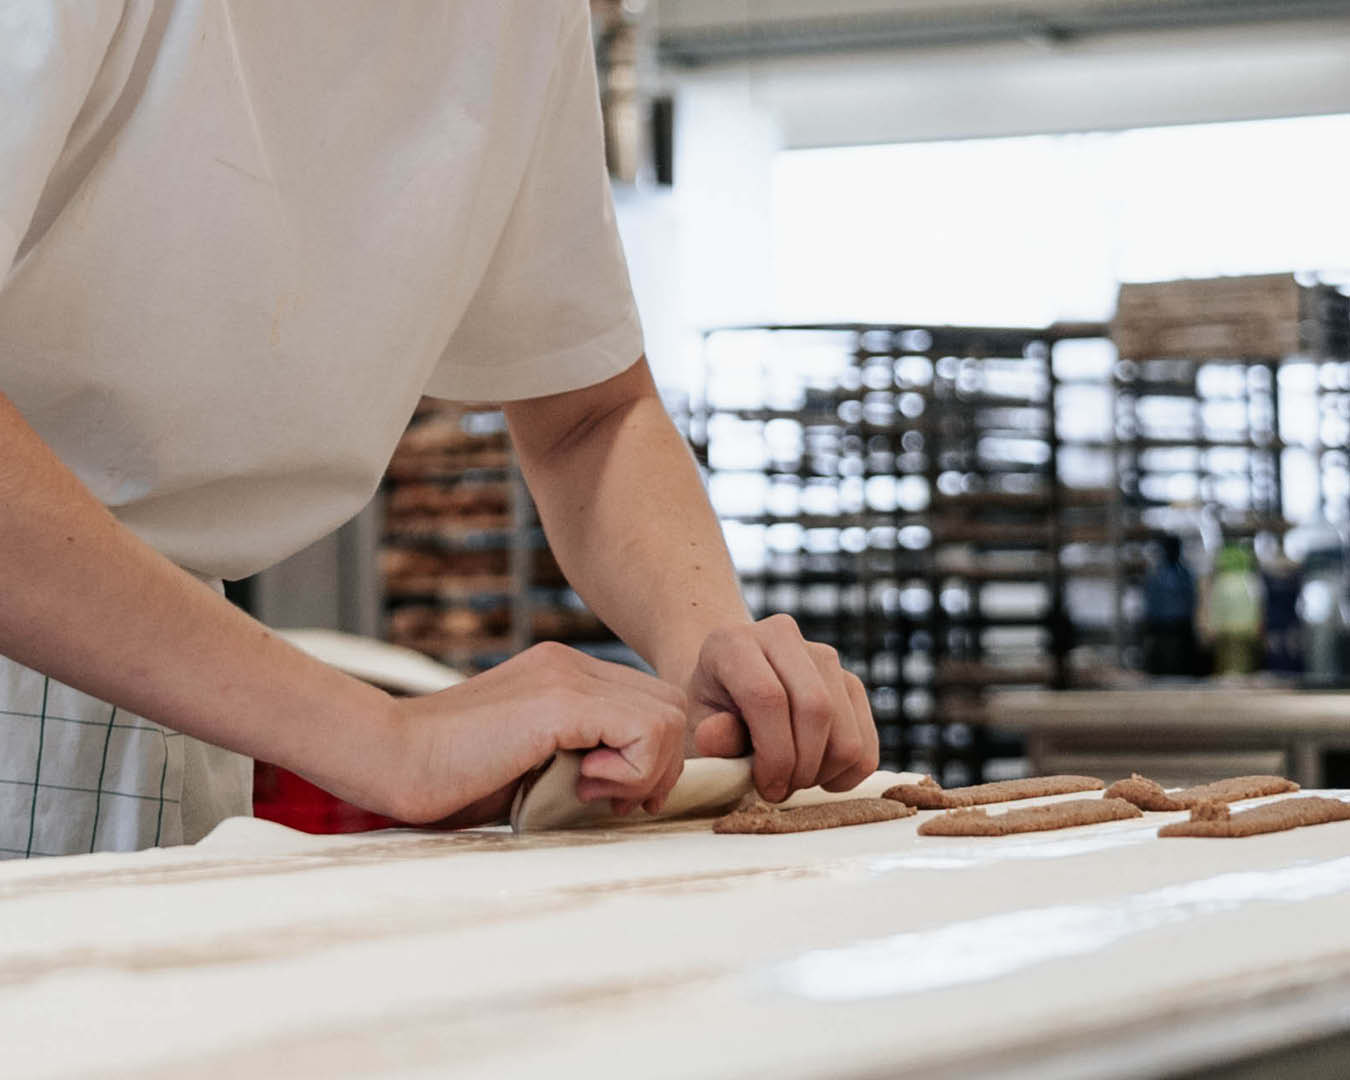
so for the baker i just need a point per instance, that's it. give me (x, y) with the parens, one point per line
(241, 239)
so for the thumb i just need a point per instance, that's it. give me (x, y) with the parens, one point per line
(722, 735)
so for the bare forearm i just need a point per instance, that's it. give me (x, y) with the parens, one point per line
(628, 518)
(633, 529)
(88, 603)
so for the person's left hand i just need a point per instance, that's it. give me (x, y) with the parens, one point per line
(763, 688)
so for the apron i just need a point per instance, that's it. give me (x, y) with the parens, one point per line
(80, 775)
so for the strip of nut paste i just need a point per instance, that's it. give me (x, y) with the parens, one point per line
(928, 796)
(1235, 789)
(1064, 815)
(1150, 795)
(1144, 793)
(1216, 819)
(762, 818)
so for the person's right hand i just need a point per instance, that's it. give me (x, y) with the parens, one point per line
(467, 747)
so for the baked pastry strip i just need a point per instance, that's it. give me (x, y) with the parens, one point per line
(756, 816)
(927, 795)
(1063, 815)
(1150, 795)
(1216, 819)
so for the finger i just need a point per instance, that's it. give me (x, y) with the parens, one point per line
(807, 670)
(606, 763)
(862, 710)
(589, 791)
(623, 795)
(658, 798)
(845, 750)
(623, 695)
(835, 757)
(738, 664)
(635, 742)
(722, 735)
(868, 738)
(619, 778)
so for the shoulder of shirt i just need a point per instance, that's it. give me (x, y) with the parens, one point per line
(574, 14)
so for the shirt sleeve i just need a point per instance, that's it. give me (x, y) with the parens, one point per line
(555, 310)
(50, 53)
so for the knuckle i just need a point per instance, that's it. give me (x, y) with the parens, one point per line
(827, 653)
(562, 682)
(781, 621)
(767, 696)
(550, 655)
(817, 710)
(848, 749)
(718, 640)
(857, 693)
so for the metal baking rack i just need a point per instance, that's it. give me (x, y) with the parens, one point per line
(897, 489)
(467, 574)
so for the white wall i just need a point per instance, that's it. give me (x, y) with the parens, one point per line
(701, 256)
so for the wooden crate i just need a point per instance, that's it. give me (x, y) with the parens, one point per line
(1265, 316)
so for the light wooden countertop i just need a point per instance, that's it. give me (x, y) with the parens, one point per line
(1196, 707)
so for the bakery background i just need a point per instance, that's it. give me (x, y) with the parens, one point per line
(1014, 341)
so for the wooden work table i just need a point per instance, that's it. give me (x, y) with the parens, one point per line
(1090, 727)
(664, 950)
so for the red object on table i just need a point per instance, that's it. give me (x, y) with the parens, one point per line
(281, 796)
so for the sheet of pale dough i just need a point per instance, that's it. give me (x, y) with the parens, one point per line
(707, 786)
(845, 952)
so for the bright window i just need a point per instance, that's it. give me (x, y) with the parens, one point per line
(1025, 231)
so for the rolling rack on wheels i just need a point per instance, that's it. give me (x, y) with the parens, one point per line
(897, 489)
(468, 577)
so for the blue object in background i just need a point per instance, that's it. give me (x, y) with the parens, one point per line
(1169, 614)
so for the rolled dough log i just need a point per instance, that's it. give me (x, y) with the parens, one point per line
(927, 795)
(1063, 815)
(754, 815)
(1149, 795)
(707, 787)
(1215, 819)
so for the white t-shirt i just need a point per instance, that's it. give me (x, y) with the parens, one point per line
(246, 235)
(240, 239)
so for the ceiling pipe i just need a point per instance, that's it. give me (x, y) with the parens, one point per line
(764, 39)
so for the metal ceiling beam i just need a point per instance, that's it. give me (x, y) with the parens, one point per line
(760, 39)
